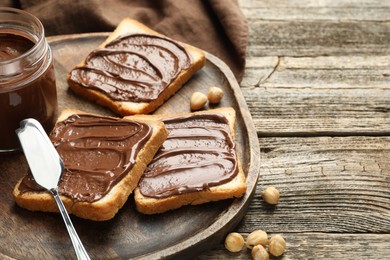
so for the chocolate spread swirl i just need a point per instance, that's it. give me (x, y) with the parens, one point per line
(136, 67)
(97, 153)
(199, 153)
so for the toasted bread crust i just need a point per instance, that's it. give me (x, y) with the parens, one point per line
(108, 206)
(129, 108)
(233, 189)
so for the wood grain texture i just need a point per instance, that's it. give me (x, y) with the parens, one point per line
(317, 84)
(344, 94)
(317, 28)
(328, 184)
(317, 38)
(320, 95)
(357, 10)
(319, 246)
(312, 74)
(335, 198)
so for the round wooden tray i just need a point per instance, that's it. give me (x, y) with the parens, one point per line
(176, 234)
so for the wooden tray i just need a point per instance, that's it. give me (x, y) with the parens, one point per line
(183, 232)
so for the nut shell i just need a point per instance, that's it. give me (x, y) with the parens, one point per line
(259, 253)
(234, 242)
(197, 101)
(277, 245)
(271, 195)
(257, 237)
(214, 95)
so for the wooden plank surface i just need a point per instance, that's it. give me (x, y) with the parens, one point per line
(318, 38)
(350, 93)
(321, 95)
(317, 84)
(335, 198)
(315, 80)
(316, 28)
(320, 246)
(328, 10)
(328, 184)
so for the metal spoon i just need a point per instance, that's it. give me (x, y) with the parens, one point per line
(47, 168)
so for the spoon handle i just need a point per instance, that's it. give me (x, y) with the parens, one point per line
(78, 246)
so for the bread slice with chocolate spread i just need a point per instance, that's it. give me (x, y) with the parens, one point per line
(104, 158)
(196, 164)
(135, 70)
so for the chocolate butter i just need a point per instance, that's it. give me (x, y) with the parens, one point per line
(97, 153)
(12, 46)
(199, 153)
(27, 86)
(136, 67)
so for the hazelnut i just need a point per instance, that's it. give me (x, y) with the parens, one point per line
(259, 253)
(257, 237)
(234, 242)
(197, 100)
(277, 245)
(215, 95)
(271, 195)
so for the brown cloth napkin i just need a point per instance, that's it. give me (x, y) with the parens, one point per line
(216, 26)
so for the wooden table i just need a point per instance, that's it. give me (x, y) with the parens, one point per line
(317, 84)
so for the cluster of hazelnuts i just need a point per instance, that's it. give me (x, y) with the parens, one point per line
(258, 241)
(198, 99)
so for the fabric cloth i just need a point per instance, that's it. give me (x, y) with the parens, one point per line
(216, 26)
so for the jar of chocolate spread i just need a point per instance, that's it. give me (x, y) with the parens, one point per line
(27, 79)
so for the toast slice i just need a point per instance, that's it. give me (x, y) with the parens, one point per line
(186, 168)
(104, 158)
(135, 70)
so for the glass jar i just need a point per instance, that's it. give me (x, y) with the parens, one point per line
(27, 78)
